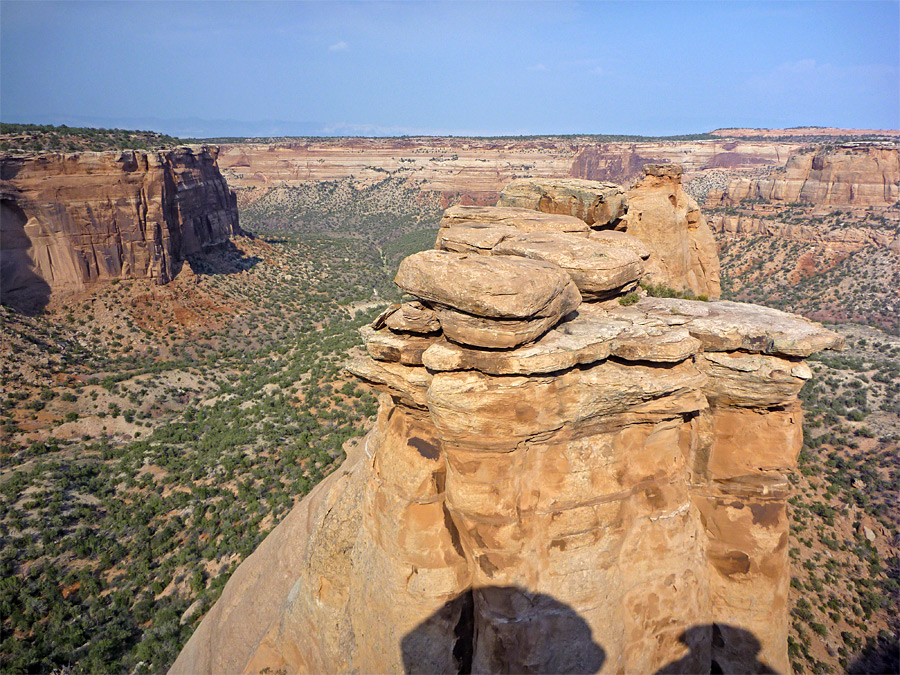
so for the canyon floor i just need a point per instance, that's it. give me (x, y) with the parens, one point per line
(153, 435)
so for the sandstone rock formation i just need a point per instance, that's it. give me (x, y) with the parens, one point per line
(609, 496)
(71, 220)
(657, 212)
(600, 268)
(505, 302)
(852, 175)
(478, 169)
(597, 204)
(846, 239)
(524, 219)
(663, 216)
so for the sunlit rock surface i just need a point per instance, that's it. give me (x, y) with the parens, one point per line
(607, 496)
(70, 220)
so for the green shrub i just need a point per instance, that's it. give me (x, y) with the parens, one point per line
(663, 291)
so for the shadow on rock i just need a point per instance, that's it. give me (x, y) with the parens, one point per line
(502, 629)
(718, 648)
(506, 629)
(20, 286)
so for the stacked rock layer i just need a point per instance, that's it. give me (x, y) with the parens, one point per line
(656, 210)
(556, 482)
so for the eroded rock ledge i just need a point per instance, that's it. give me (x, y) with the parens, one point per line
(551, 485)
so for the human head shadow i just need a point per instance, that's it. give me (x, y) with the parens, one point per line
(718, 648)
(20, 286)
(506, 629)
(502, 629)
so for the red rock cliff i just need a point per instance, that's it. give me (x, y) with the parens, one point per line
(69, 220)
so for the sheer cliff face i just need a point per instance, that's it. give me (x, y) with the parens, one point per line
(555, 482)
(72, 220)
(623, 162)
(852, 176)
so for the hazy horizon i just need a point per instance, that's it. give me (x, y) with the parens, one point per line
(464, 69)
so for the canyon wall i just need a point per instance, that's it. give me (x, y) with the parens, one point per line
(69, 220)
(804, 132)
(848, 176)
(847, 240)
(556, 481)
(623, 162)
(478, 169)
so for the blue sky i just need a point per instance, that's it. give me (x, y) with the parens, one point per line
(491, 68)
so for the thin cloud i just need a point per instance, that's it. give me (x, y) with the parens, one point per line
(540, 68)
(338, 46)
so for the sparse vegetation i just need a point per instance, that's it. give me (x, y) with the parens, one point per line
(844, 590)
(152, 436)
(663, 291)
(28, 138)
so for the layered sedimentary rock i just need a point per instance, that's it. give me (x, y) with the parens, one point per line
(524, 219)
(663, 216)
(658, 212)
(855, 175)
(624, 162)
(597, 204)
(71, 220)
(608, 496)
(599, 268)
(476, 168)
(505, 302)
(846, 239)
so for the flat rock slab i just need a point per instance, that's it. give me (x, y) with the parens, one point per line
(384, 345)
(730, 326)
(752, 380)
(477, 331)
(622, 239)
(590, 335)
(524, 220)
(599, 271)
(593, 202)
(663, 331)
(656, 344)
(413, 317)
(499, 287)
(472, 238)
(407, 383)
(569, 344)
